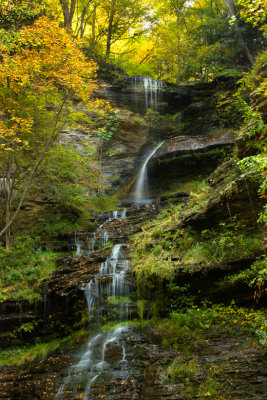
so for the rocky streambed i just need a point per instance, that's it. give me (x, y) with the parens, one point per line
(152, 364)
(128, 350)
(230, 366)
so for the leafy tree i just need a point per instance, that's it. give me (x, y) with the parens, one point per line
(230, 4)
(42, 72)
(68, 175)
(15, 13)
(68, 9)
(254, 12)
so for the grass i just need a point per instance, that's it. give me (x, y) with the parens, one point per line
(165, 238)
(17, 356)
(201, 322)
(195, 380)
(201, 377)
(118, 300)
(103, 203)
(255, 275)
(23, 267)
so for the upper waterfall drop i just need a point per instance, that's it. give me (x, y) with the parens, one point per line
(152, 91)
(141, 194)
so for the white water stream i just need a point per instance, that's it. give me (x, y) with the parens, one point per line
(100, 237)
(104, 357)
(141, 192)
(97, 360)
(152, 89)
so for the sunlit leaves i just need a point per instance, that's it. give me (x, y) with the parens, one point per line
(43, 72)
(254, 12)
(43, 67)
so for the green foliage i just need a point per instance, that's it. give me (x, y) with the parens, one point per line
(189, 330)
(254, 12)
(228, 318)
(257, 273)
(152, 118)
(229, 244)
(118, 300)
(228, 110)
(22, 268)
(255, 166)
(179, 370)
(153, 249)
(110, 128)
(253, 121)
(17, 356)
(68, 175)
(101, 202)
(188, 374)
(16, 12)
(141, 306)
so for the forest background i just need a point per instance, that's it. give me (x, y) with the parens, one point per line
(53, 52)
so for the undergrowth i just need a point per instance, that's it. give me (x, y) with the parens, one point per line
(202, 322)
(17, 356)
(22, 268)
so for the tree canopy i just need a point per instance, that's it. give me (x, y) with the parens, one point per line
(42, 72)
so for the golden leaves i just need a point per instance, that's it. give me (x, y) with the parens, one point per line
(44, 68)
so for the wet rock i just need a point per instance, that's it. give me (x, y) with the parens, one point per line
(186, 144)
(113, 353)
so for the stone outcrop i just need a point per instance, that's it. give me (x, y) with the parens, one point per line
(192, 144)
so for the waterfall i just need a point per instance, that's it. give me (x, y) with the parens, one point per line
(77, 243)
(119, 214)
(141, 187)
(110, 285)
(100, 238)
(152, 91)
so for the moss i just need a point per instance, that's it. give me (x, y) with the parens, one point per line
(17, 356)
(169, 244)
(103, 203)
(22, 269)
(202, 322)
(118, 300)
(110, 326)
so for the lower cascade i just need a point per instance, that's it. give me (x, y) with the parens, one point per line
(98, 363)
(110, 288)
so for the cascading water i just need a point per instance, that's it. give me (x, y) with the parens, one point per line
(77, 242)
(141, 194)
(110, 289)
(118, 214)
(110, 286)
(152, 91)
(100, 238)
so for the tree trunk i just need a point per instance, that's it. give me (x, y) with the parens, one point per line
(110, 28)
(7, 187)
(35, 167)
(83, 20)
(7, 238)
(230, 5)
(178, 59)
(68, 8)
(178, 48)
(93, 26)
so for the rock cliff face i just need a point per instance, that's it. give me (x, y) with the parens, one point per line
(185, 144)
(178, 159)
(143, 105)
(131, 100)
